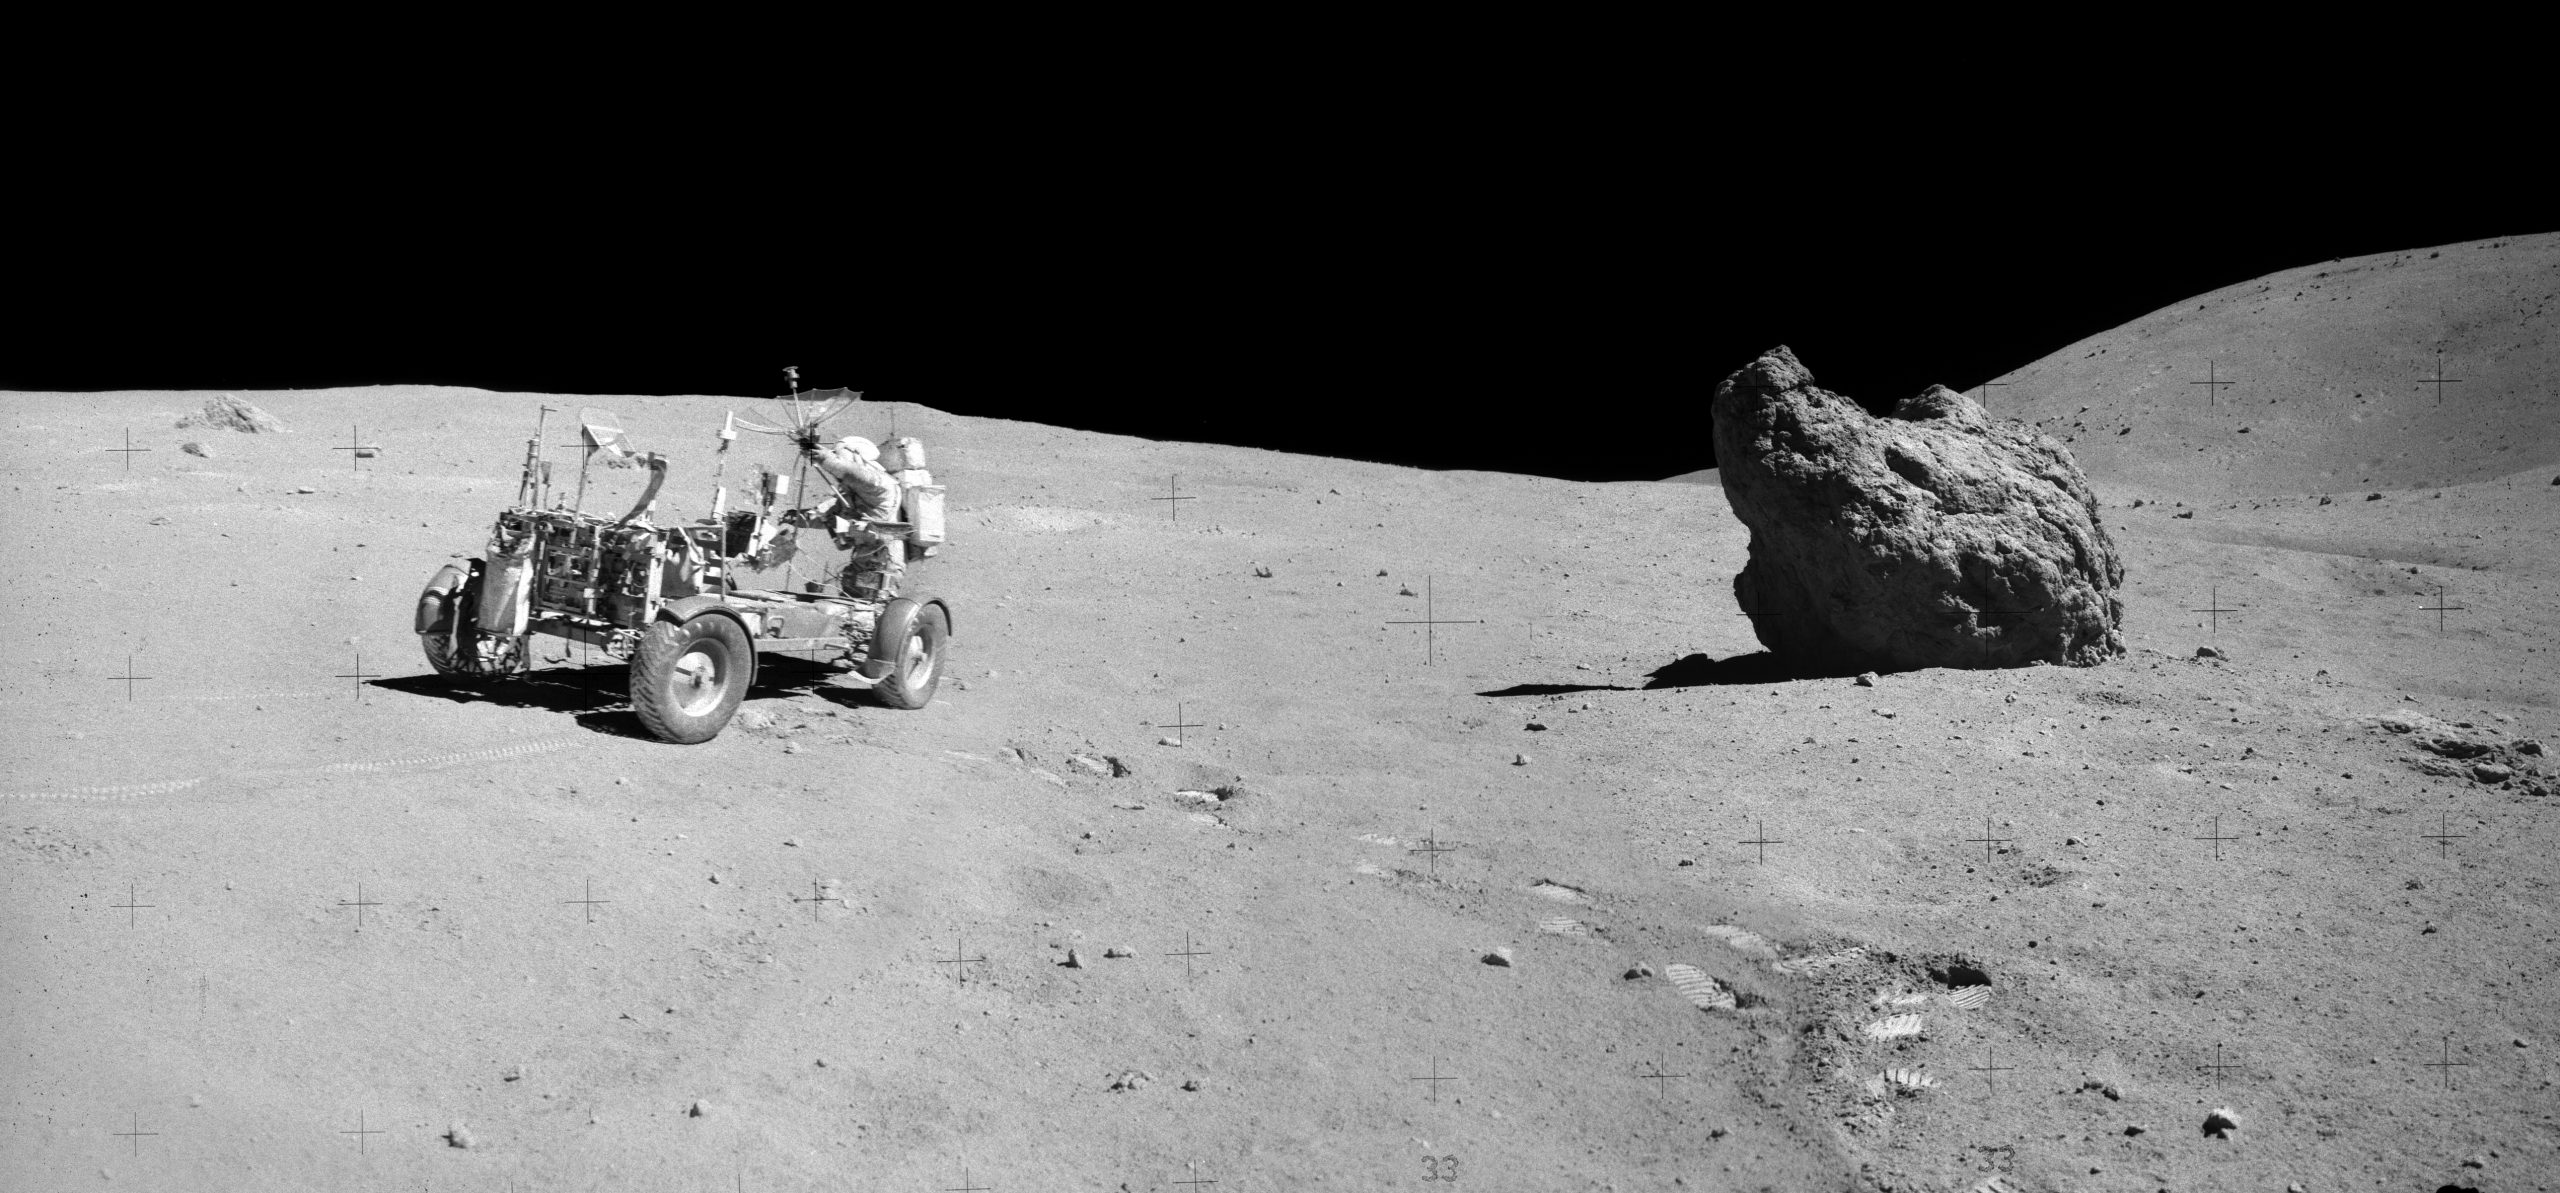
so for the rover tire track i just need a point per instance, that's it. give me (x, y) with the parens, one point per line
(110, 793)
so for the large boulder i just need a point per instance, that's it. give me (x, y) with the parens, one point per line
(1932, 537)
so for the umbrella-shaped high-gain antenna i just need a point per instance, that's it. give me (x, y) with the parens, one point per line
(803, 431)
(805, 421)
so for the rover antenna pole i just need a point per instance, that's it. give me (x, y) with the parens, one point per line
(542, 490)
(531, 485)
(720, 466)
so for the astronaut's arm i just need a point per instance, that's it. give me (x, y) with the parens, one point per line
(814, 516)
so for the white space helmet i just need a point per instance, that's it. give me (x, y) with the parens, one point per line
(860, 446)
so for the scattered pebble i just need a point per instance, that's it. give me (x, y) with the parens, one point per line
(195, 449)
(1641, 971)
(1262, 571)
(2210, 652)
(1075, 960)
(699, 1109)
(1132, 1080)
(459, 1136)
(1116, 951)
(791, 840)
(1500, 957)
(1519, 760)
(1192, 1085)
(512, 1073)
(306, 489)
(2221, 1122)
(1168, 741)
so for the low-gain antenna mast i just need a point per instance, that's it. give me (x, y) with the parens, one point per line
(536, 468)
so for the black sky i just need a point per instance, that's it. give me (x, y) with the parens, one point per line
(1564, 312)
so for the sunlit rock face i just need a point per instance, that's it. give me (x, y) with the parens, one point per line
(1931, 537)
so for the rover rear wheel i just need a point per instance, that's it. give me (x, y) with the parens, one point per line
(688, 680)
(910, 638)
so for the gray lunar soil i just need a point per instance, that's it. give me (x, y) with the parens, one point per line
(1575, 891)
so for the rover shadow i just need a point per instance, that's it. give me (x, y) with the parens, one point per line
(598, 698)
(568, 690)
(785, 675)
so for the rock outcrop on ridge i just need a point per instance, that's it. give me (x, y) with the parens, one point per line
(227, 412)
(1931, 537)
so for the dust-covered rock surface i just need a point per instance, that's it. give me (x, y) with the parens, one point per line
(1933, 537)
(1192, 873)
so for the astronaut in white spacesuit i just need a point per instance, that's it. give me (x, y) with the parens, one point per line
(865, 493)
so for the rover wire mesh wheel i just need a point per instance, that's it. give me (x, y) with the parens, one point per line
(494, 655)
(910, 639)
(449, 597)
(688, 680)
(470, 652)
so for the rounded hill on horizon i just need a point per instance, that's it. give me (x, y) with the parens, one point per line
(2317, 379)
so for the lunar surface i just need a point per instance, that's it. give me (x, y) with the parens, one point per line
(1336, 826)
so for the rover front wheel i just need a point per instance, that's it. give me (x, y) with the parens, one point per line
(688, 680)
(909, 639)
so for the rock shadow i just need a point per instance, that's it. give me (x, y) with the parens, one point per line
(1758, 667)
(1554, 689)
(1697, 670)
